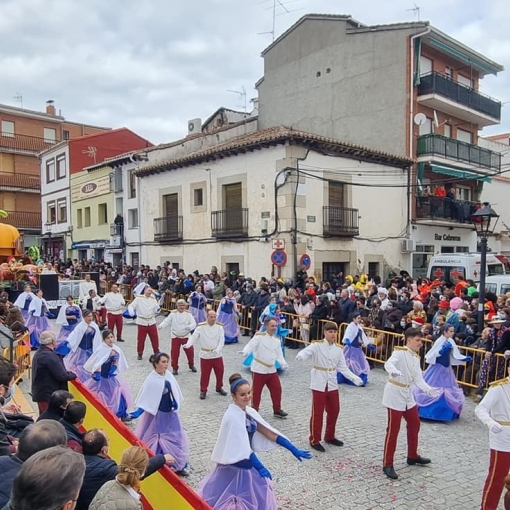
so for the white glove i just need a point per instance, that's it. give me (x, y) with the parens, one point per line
(397, 373)
(217, 351)
(186, 346)
(284, 366)
(241, 353)
(358, 381)
(160, 327)
(433, 392)
(495, 427)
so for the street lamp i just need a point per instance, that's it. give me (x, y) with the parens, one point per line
(484, 220)
(47, 227)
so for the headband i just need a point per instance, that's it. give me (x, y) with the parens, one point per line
(236, 384)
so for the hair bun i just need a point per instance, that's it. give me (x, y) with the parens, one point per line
(234, 377)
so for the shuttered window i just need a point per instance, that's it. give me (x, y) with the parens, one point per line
(171, 204)
(336, 194)
(233, 196)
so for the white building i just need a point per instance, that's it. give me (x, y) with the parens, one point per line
(232, 204)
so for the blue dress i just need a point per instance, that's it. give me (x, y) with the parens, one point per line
(62, 345)
(197, 307)
(228, 318)
(24, 310)
(356, 362)
(74, 361)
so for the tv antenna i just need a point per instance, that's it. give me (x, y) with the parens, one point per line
(416, 10)
(91, 152)
(19, 97)
(242, 94)
(279, 8)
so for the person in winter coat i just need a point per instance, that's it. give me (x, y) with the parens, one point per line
(259, 306)
(320, 313)
(345, 308)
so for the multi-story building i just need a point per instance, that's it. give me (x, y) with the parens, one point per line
(23, 135)
(63, 230)
(406, 88)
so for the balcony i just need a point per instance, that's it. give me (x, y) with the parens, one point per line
(440, 93)
(168, 229)
(230, 223)
(117, 229)
(462, 152)
(12, 142)
(444, 209)
(24, 183)
(23, 220)
(340, 221)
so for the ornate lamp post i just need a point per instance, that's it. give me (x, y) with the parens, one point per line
(484, 220)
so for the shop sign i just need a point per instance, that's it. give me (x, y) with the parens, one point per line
(447, 237)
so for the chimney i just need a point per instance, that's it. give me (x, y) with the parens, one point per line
(50, 107)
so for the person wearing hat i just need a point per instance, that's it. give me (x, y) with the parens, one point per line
(494, 411)
(382, 294)
(181, 324)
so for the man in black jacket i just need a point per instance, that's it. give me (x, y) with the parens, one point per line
(247, 301)
(59, 400)
(33, 439)
(73, 418)
(7, 374)
(101, 469)
(344, 309)
(260, 304)
(48, 371)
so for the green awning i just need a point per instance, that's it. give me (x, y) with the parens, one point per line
(460, 173)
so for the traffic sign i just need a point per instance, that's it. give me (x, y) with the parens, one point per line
(305, 261)
(279, 258)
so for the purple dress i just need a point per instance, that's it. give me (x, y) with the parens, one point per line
(356, 362)
(36, 326)
(74, 361)
(62, 345)
(197, 307)
(227, 317)
(448, 405)
(163, 432)
(114, 393)
(24, 309)
(238, 486)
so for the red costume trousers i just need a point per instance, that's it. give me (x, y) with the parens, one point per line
(206, 365)
(328, 401)
(42, 406)
(143, 331)
(272, 381)
(117, 322)
(176, 349)
(498, 469)
(412, 419)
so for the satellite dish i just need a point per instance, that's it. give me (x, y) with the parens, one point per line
(420, 118)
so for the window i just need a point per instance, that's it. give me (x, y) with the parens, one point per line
(86, 223)
(52, 212)
(336, 194)
(463, 193)
(132, 218)
(448, 130)
(65, 134)
(132, 184)
(233, 196)
(331, 269)
(373, 269)
(464, 81)
(171, 205)
(462, 249)
(135, 260)
(61, 166)
(425, 65)
(102, 214)
(50, 135)
(7, 128)
(198, 197)
(79, 218)
(464, 136)
(426, 127)
(61, 211)
(448, 72)
(50, 170)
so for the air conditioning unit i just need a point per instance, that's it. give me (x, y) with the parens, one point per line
(71, 288)
(194, 126)
(115, 241)
(407, 245)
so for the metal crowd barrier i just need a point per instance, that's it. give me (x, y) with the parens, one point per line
(19, 354)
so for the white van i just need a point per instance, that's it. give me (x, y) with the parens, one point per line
(498, 284)
(449, 267)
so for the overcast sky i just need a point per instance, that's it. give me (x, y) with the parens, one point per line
(151, 65)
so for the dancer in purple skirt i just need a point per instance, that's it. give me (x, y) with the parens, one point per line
(105, 365)
(239, 480)
(37, 322)
(354, 338)
(23, 301)
(448, 404)
(227, 316)
(197, 303)
(83, 341)
(160, 427)
(68, 317)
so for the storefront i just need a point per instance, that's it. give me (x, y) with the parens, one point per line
(89, 250)
(430, 240)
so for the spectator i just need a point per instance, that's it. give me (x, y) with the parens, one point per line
(73, 418)
(259, 306)
(34, 438)
(49, 480)
(48, 371)
(56, 406)
(344, 308)
(7, 374)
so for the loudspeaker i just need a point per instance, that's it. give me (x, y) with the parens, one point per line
(69, 288)
(95, 277)
(49, 285)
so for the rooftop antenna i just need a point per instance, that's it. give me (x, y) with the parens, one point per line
(416, 10)
(278, 5)
(242, 95)
(19, 97)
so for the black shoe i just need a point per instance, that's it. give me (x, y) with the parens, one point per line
(175, 372)
(335, 442)
(221, 391)
(202, 395)
(183, 472)
(390, 472)
(318, 447)
(140, 357)
(420, 461)
(193, 369)
(280, 414)
(120, 340)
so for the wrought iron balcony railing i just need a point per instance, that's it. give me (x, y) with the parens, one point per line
(340, 221)
(230, 223)
(168, 229)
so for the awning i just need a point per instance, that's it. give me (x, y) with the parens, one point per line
(460, 173)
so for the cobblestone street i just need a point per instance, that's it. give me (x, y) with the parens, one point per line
(349, 477)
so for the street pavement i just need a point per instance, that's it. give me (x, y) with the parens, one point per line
(348, 477)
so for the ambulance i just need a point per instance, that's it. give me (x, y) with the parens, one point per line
(450, 267)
